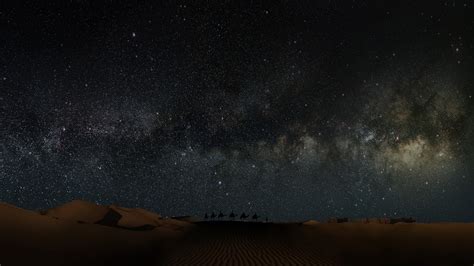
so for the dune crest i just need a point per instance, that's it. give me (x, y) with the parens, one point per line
(81, 211)
(78, 210)
(311, 222)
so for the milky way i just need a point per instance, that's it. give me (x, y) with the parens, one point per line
(294, 111)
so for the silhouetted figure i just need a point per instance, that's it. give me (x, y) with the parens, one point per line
(206, 216)
(266, 219)
(213, 215)
(255, 217)
(221, 215)
(243, 216)
(232, 215)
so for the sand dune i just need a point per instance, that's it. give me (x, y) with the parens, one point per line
(238, 243)
(397, 244)
(313, 243)
(29, 238)
(311, 222)
(132, 218)
(78, 210)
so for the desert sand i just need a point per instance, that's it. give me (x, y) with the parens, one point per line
(30, 238)
(82, 233)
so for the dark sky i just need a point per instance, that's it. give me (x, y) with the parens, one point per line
(294, 110)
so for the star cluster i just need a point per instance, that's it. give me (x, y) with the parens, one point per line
(292, 110)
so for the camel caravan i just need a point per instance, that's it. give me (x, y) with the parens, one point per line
(232, 216)
(246, 217)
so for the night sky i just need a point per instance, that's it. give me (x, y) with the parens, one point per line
(293, 110)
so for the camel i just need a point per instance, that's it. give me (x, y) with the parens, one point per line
(221, 215)
(213, 215)
(255, 217)
(243, 216)
(232, 215)
(206, 216)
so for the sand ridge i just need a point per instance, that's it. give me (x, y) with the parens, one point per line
(245, 243)
(134, 218)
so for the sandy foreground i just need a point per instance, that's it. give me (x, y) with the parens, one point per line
(81, 233)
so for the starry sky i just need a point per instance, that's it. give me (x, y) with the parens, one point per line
(291, 109)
